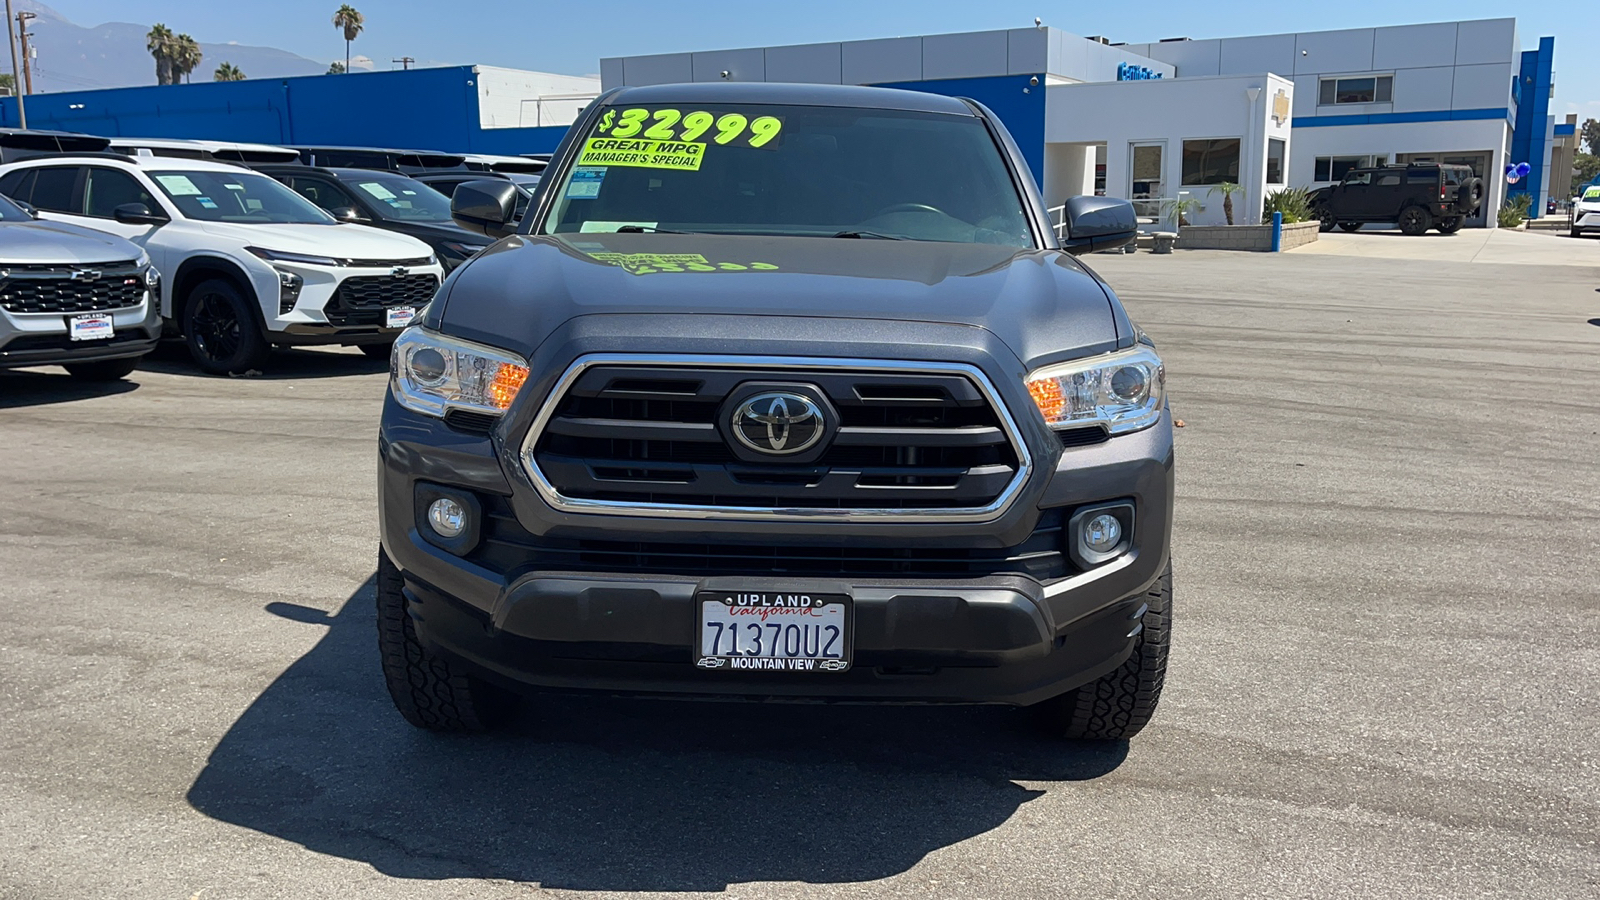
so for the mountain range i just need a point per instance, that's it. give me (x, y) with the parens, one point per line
(71, 57)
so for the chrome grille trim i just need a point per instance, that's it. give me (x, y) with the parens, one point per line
(563, 503)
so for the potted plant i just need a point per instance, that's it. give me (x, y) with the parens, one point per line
(1179, 209)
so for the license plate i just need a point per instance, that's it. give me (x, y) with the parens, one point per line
(774, 632)
(89, 328)
(399, 316)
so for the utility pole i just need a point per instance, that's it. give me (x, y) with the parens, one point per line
(11, 39)
(404, 61)
(27, 57)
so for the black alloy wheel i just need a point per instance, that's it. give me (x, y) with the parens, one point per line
(1415, 220)
(220, 331)
(1327, 219)
(1450, 225)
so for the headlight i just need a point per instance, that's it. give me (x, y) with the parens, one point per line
(433, 373)
(302, 258)
(1122, 391)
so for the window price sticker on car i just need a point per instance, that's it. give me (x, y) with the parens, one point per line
(89, 328)
(774, 632)
(399, 316)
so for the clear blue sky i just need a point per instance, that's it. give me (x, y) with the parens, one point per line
(571, 38)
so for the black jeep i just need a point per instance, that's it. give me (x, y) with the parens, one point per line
(1417, 197)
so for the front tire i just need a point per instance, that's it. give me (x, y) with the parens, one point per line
(104, 370)
(1326, 221)
(1451, 225)
(1415, 220)
(1119, 704)
(430, 692)
(220, 329)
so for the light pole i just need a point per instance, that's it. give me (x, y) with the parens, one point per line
(22, 34)
(11, 39)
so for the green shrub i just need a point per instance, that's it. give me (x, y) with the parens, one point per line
(1514, 211)
(1293, 202)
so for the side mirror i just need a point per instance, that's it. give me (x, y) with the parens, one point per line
(1098, 223)
(138, 214)
(487, 207)
(347, 214)
(27, 208)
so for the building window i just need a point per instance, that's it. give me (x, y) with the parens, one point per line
(1333, 168)
(1211, 161)
(1371, 89)
(1275, 150)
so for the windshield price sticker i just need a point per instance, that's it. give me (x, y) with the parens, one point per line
(1591, 192)
(672, 124)
(652, 263)
(645, 154)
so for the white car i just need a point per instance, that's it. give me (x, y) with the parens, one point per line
(1586, 211)
(246, 263)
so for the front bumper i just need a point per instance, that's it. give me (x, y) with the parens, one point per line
(41, 339)
(986, 638)
(316, 317)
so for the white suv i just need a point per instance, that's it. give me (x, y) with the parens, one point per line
(246, 263)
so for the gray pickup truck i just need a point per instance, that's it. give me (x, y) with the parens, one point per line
(73, 297)
(779, 392)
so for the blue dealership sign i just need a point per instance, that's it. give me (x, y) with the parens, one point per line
(1131, 72)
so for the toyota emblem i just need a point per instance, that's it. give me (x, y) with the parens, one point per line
(778, 423)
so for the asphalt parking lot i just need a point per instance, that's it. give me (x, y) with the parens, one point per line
(1383, 684)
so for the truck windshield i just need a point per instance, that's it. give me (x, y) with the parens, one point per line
(790, 170)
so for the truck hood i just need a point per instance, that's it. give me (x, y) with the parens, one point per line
(1041, 303)
(45, 243)
(343, 241)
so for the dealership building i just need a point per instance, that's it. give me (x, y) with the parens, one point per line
(1151, 122)
(1172, 119)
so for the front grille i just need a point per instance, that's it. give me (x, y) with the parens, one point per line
(907, 440)
(53, 289)
(362, 300)
(508, 548)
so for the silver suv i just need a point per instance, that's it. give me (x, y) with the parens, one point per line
(73, 297)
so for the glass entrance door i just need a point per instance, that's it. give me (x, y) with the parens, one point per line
(1147, 185)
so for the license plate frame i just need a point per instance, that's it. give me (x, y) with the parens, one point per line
(399, 316)
(90, 327)
(791, 618)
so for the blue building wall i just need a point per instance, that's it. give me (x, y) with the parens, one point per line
(421, 109)
(1016, 99)
(1528, 138)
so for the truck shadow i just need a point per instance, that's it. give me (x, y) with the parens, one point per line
(613, 794)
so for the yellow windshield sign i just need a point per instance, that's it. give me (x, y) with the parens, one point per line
(643, 153)
(1591, 192)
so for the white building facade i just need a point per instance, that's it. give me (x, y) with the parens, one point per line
(1175, 119)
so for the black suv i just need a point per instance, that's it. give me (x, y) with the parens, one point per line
(779, 392)
(384, 200)
(1417, 197)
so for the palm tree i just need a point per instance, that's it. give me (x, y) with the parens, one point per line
(336, 68)
(160, 44)
(227, 72)
(1227, 189)
(351, 22)
(185, 57)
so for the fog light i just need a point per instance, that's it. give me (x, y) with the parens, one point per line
(1102, 533)
(447, 517)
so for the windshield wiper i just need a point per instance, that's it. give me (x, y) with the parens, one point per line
(651, 229)
(875, 235)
